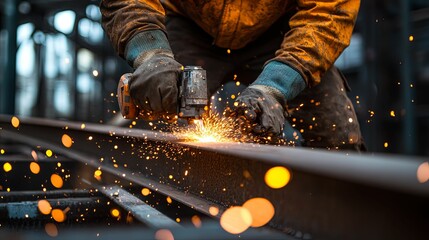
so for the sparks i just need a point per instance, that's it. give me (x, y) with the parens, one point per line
(211, 128)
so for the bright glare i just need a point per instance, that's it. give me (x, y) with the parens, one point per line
(7, 167)
(64, 21)
(277, 177)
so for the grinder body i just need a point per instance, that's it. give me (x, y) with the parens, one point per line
(192, 97)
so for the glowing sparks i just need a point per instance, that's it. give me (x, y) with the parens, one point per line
(236, 220)
(115, 213)
(58, 215)
(7, 167)
(44, 207)
(145, 191)
(392, 113)
(196, 221)
(277, 177)
(56, 181)
(169, 200)
(48, 153)
(2, 151)
(67, 141)
(34, 168)
(15, 122)
(411, 38)
(209, 129)
(386, 144)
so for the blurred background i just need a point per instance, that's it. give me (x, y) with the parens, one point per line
(56, 62)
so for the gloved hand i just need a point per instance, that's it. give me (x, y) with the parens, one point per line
(263, 104)
(260, 112)
(154, 83)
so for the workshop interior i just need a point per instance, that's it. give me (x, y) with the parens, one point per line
(81, 159)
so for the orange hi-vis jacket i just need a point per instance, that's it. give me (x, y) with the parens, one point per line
(319, 29)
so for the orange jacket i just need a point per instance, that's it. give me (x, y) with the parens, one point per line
(320, 30)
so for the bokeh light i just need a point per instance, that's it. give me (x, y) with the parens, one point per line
(58, 215)
(56, 181)
(49, 153)
(423, 172)
(7, 167)
(196, 221)
(67, 141)
(51, 229)
(115, 212)
(15, 122)
(236, 220)
(44, 207)
(145, 191)
(164, 234)
(261, 209)
(34, 167)
(277, 177)
(214, 211)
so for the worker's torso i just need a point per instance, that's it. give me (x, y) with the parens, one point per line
(232, 23)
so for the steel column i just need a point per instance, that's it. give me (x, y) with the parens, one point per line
(408, 125)
(8, 85)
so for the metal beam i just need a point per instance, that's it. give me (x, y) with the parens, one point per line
(329, 195)
(139, 209)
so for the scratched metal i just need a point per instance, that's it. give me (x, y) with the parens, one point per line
(332, 195)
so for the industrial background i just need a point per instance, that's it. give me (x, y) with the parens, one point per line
(69, 171)
(56, 62)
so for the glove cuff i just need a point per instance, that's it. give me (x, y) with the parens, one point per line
(146, 44)
(282, 78)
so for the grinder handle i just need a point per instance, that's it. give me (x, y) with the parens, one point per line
(128, 109)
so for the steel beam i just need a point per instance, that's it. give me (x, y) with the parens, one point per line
(331, 194)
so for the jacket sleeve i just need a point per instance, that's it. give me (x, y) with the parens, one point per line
(123, 19)
(320, 31)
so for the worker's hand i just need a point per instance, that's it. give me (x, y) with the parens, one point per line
(258, 111)
(263, 104)
(153, 86)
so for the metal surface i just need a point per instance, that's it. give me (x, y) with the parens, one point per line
(140, 210)
(330, 194)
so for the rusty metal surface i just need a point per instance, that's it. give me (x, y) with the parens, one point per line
(329, 197)
(139, 209)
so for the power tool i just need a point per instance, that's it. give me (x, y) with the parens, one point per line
(192, 99)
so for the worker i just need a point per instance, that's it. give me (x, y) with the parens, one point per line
(283, 50)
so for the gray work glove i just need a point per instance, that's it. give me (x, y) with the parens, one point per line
(263, 104)
(260, 112)
(153, 85)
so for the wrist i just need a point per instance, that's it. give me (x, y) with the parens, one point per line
(146, 44)
(282, 78)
